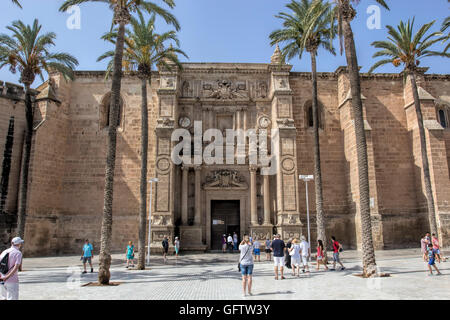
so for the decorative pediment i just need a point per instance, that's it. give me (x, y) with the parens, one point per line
(225, 179)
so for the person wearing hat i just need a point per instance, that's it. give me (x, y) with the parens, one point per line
(9, 282)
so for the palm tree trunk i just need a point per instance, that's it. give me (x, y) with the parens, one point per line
(143, 189)
(106, 232)
(321, 234)
(425, 164)
(23, 191)
(369, 264)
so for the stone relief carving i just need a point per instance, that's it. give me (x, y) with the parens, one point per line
(225, 89)
(261, 235)
(264, 122)
(187, 90)
(225, 178)
(286, 123)
(161, 221)
(165, 123)
(168, 83)
(261, 91)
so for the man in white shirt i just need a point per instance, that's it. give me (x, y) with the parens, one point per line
(9, 282)
(230, 243)
(305, 252)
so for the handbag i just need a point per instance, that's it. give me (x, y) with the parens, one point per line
(239, 264)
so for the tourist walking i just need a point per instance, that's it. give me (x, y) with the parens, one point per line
(268, 249)
(305, 249)
(287, 257)
(337, 247)
(436, 247)
(235, 241)
(278, 247)
(165, 245)
(424, 245)
(257, 250)
(87, 255)
(130, 255)
(230, 243)
(320, 255)
(294, 253)
(246, 265)
(431, 259)
(177, 247)
(10, 262)
(224, 243)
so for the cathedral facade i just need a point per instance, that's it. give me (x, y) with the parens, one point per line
(199, 201)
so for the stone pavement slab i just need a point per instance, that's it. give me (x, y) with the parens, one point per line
(215, 277)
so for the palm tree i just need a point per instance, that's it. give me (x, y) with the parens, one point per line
(122, 16)
(345, 14)
(310, 25)
(143, 49)
(28, 51)
(17, 3)
(404, 47)
(445, 26)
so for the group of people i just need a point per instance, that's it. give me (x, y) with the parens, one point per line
(230, 243)
(295, 254)
(431, 252)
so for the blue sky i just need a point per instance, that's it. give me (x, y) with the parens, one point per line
(220, 31)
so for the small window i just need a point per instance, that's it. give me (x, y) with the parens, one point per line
(105, 109)
(442, 119)
(309, 119)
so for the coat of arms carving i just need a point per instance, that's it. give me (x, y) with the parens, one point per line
(225, 90)
(225, 179)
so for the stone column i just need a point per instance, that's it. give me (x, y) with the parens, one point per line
(184, 196)
(197, 217)
(253, 199)
(266, 200)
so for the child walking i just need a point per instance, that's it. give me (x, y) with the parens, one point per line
(130, 255)
(431, 259)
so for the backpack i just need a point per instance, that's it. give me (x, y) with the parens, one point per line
(4, 264)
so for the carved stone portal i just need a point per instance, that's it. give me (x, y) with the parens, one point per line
(225, 179)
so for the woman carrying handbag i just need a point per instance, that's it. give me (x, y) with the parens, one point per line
(246, 264)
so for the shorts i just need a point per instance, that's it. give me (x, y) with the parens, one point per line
(9, 291)
(257, 252)
(130, 257)
(268, 251)
(247, 270)
(438, 251)
(278, 261)
(224, 246)
(319, 258)
(166, 250)
(295, 261)
(431, 262)
(88, 259)
(305, 260)
(336, 257)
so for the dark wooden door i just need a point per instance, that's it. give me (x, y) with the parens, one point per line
(225, 219)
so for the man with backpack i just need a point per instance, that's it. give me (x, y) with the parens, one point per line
(10, 262)
(337, 247)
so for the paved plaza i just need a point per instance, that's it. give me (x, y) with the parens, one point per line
(215, 276)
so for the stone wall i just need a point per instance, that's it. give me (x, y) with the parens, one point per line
(12, 126)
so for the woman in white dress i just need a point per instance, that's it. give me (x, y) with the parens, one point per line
(294, 252)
